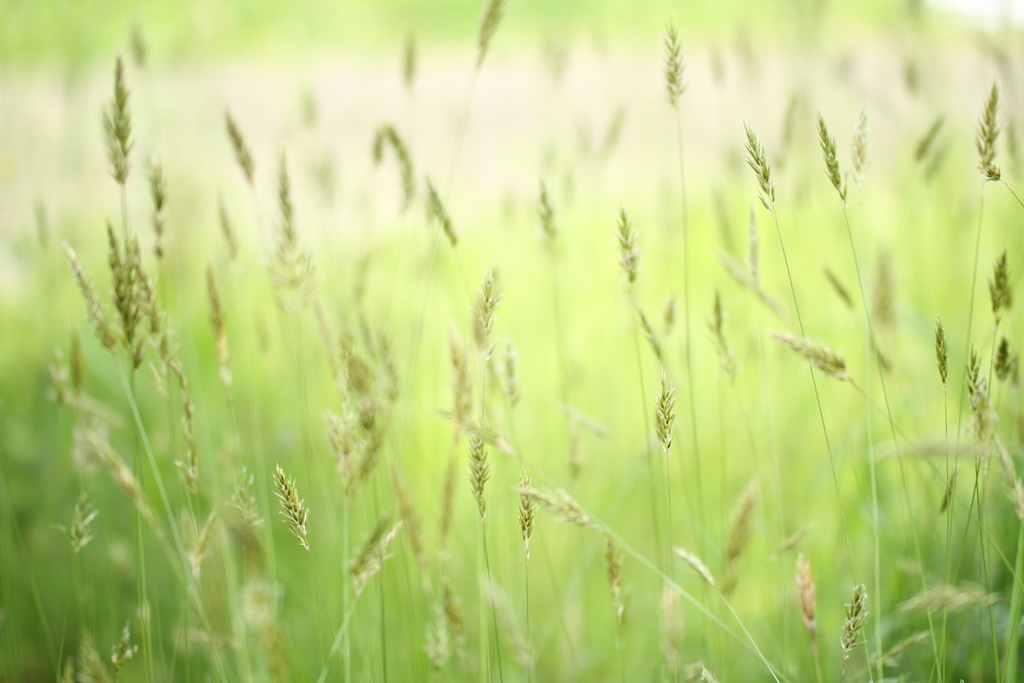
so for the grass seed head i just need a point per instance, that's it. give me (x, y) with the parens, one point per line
(438, 640)
(227, 230)
(1000, 293)
(409, 62)
(140, 51)
(983, 418)
(487, 299)
(726, 358)
(757, 159)
(79, 533)
(987, 135)
(859, 147)
(828, 153)
(884, 300)
(493, 13)
(220, 335)
(856, 613)
(293, 508)
(437, 212)
(410, 520)
(131, 295)
(613, 572)
(527, 512)
(563, 506)
(189, 466)
(479, 473)
(293, 269)
(941, 351)
(512, 388)
(451, 604)
(203, 542)
(100, 449)
(674, 66)
(387, 135)
(740, 534)
(837, 286)
(158, 196)
(1006, 361)
(697, 565)
(546, 213)
(59, 377)
(117, 126)
(242, 154)
(817, 354)
(671, 627)
(951, 598)
(243, 500)
(947, 497)
(370, 558)
(805, 591)
(668, 313)
(629, 252)
(649, 334)
(665, 410)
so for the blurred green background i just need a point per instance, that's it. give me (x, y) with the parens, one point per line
(571, 94)
(62, 31)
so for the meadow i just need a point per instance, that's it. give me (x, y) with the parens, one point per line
(510, 342)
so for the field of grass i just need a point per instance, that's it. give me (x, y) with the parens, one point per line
(560, 355)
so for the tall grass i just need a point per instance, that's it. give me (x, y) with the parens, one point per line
(194, 375)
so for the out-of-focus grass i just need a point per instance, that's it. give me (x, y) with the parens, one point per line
(525, 125)
(56, 31)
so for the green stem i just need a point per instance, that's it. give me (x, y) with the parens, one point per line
(346, 650)
(1015, 600)
(686, 314)
(526, 576)
(338, 637)
(494, 616)
(817, 397)
(646, 436)
(179, 558)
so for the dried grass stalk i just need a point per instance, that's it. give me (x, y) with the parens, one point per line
(817, 354)
(613, 572)
(562, 505)
(437, 211)
(493, 13)
(697, 565)
(372, 553)
(242, 154)
(805, 592)
(739, 535)
(949, 598)
(387, 135)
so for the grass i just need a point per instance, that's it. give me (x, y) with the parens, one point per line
(283, 306)
(61, 32)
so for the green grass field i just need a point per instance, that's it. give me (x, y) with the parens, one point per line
(432, 284)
